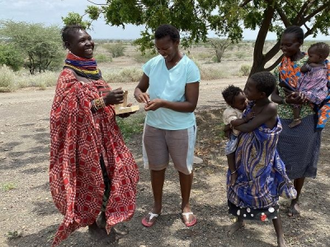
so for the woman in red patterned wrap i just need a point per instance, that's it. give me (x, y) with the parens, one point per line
(92, 174)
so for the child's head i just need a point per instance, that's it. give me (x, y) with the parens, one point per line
(234, 97)
(318, 52)
(260, 85)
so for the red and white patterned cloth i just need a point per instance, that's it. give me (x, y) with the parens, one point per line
(78, 139)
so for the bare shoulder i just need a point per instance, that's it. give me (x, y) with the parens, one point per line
(271, 108)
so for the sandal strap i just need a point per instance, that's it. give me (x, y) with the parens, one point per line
(187, 214)
(152, 215)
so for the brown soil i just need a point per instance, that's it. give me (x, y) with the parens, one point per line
(29, 217)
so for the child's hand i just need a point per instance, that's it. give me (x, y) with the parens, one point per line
(249, 116)
(233, 178)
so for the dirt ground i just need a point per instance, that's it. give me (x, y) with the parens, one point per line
(29, 218)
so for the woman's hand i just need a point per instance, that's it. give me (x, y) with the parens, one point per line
(296, 98)
(114, 97)
(142, 98)
(153, 105)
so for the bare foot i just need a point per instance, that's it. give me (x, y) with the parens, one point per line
(101, 221)
(235, 227)
(281, 242)
(294, 209)
(295, 123)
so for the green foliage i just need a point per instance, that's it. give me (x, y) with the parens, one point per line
(245, 70)
(226, 18)
(8, 186)
(41, 46)
(7, 79)
(132, 125)
(14, 235)
(125, 75)
(102, 58)
(116, 49)
(219, 46)
(11, 56)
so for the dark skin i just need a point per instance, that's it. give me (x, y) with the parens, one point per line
(265, 112)
(82, 45)
(290, 46)
(169, 49)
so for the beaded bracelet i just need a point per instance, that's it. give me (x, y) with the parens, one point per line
(98, 103)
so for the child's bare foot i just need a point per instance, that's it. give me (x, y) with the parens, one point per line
(235, 227)
(295, 123)
(294, 209)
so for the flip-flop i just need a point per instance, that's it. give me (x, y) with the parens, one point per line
(150, 216)
(186, 215)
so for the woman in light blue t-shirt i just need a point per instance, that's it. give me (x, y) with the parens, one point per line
(169, 88)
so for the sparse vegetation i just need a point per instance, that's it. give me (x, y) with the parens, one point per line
(8, 186)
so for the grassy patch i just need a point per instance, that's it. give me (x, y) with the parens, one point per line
(131, 126)
(14, 235)
(8, 186)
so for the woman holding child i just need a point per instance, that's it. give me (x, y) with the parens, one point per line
(299, 146)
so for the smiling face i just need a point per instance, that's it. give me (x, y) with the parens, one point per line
(81, 44)
(168, 48)
(290, 45)
(240, 102)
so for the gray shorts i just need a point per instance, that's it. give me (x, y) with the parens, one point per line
(159, 145)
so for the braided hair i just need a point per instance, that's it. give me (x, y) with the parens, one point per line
(297, 31)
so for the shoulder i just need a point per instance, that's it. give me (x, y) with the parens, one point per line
(271, 108)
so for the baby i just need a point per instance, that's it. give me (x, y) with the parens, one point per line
(232, 116)
(313, 81)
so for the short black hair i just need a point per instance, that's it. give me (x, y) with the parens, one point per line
(265, 82)
(167, 30)
(230, 92)
(321, 48)
(69, 31)
(297, 31)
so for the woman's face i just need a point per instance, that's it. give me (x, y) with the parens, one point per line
(167, 48)
(81, 44)
(290, 45)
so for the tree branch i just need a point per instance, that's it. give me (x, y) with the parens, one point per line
(315, 12)
(244, 3)
(100, 4)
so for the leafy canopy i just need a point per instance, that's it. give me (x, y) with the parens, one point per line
(40, 46)
(194, 18)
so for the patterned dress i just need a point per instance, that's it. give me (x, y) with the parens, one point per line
(261, 176)
(82, 141)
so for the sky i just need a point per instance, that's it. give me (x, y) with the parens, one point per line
(49, 12)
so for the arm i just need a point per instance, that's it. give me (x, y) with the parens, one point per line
(267, 115)
(191, 93)
(276, 98)
(239, 121)
(140, 91)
